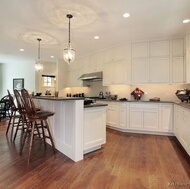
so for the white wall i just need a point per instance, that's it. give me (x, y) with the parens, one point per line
(17, 69)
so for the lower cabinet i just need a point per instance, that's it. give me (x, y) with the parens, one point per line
(144, 117)
(138, 116)
(116, 115)
(94, 128)
(182, 126)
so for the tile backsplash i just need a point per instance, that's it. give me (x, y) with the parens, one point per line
(165, 92)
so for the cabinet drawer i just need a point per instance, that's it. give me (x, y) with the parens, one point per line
(134, 105)
(123, 105)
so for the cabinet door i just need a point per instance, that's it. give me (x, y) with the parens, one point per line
(178, 120)
(177, 70)
(140, 71)
(159, 70)
(123, 118)
(112, 115)
(140, 50)
(136, 118)
(151, 119)
(160, 48)
(108, 74)
(183, 132)
(177, 47)
(166, 117)
(119, 72)
(94, 127)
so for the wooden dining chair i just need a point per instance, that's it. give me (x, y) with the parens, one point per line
(36, 119)
(22, 113)
(14, 119)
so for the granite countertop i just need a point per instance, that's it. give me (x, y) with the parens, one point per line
(140, 101)
(57, 98)
(183, 104)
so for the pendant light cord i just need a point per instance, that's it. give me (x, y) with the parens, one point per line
(39, 49)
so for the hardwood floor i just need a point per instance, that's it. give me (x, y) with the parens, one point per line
(126, 161)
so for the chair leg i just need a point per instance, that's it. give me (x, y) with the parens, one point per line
(43, 133)
(9, 123)
(31, 141)
(17, 127)
(24, 137)
(13, 123)
(50, 136)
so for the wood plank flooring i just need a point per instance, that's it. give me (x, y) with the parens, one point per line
(126, 161)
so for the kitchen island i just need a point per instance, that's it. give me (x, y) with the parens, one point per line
(76, 129)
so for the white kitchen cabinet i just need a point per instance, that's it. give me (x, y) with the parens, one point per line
(160, 48)
(136, 118)
(115, 54)
(182, 127)
(178, 70)
(96, 62)
(140, 50)
(166, 117)
(123, 115)
(140, 71)
(116, 115)
(144, 116)
(112, 114)
(177, 47)
(153, 70)
(114, 73)
(159, 70)
(94, 128)
(187, 57)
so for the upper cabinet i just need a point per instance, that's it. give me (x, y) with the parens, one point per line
(115, 54)
(140, 50)
(157, 62)
(160, 48)
(187, 57)
(96, 62)
(113, 73)
(114, 68)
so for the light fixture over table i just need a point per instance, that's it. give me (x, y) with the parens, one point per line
(39, 64)
(69, 52)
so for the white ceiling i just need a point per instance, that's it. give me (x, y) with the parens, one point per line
(23, 21)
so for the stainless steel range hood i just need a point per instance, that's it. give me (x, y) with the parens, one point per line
(97, 76)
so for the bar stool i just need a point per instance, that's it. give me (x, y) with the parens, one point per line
(14, 119)
(34, 118)
(22, 113)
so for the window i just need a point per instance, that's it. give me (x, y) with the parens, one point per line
(48, 80)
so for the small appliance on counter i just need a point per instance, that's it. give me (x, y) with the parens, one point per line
(137, 94)
(154, 99)
(183, 94)
(101, 94)
(123, 99)
(88, 101)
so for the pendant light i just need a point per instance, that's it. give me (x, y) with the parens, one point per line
(39, 64)
(69, 52)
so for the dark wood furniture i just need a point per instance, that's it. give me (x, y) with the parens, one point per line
(36, 119)
(14, 120)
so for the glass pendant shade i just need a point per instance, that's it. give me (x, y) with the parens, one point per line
(69, 54)
(39, 66)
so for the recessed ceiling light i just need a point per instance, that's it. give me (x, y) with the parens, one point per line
(52, 56)
(186, 21)
(126, 15)
(96, 37)
(21, 50)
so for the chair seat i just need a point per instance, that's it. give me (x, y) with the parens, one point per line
(41, 115)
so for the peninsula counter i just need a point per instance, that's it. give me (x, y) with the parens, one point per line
(76, 130)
